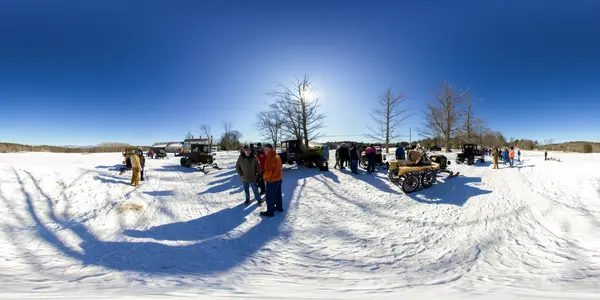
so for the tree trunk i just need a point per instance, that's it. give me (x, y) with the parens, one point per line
(304, 125)
(448, 128)
(387, 129)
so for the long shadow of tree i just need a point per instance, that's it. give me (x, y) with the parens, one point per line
(217, 244)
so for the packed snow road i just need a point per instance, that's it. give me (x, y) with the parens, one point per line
(72, 226)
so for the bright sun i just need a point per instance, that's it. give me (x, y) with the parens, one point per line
(308, 94)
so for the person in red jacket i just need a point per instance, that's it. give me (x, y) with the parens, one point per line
(262, 158)
(272, 176)
(370, 153)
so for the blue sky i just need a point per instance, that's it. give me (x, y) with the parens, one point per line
(85, 72)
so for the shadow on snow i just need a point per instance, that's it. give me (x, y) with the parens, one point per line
(160, 193)
(455, 191)
(177, 168)
(205, 227)
(112, 179)
(217, 246)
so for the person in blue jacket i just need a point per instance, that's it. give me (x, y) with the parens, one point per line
(400, 154)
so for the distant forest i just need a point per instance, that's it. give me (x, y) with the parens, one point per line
(100, 148)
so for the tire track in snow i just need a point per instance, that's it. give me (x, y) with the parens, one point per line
(529, 239)
(150, 206)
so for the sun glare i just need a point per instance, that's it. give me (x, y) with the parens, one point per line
(308, 94)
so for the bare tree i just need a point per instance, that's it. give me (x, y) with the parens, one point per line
(230, 139)
(270, 125)
(444, 114)
(189, 135)
(551, 144)
(290, 117)
(469, 120)
(481, 130)
(205, 130)
(298, 105)
(388, 117)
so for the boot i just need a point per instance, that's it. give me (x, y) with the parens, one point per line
(267, 214)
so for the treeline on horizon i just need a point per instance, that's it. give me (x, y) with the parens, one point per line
(100, 148)
(497, 141)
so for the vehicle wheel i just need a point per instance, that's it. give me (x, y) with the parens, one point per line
(410, 184)
(363, 163)
(470, 161)
(393, 175)
(428, 179)
(186, 162)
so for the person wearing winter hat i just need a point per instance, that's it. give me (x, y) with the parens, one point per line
(248, 168)
(273, 177)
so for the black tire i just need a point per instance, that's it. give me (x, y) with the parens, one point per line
(186, 162)
(428, 179)
(393, 175)
(364, 163)
(470, 161)
(410, 184)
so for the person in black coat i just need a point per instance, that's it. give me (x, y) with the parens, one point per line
(142, 163)
(344, 156)
(354, 156)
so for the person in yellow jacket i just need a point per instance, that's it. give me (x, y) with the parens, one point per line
(496, 157)
(135, 169)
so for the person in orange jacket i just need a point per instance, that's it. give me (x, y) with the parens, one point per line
(511, 156)
(272, 177)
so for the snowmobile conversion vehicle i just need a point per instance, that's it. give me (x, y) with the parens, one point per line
(380, 157)
(469, 152)
(126, 155)
(199, 154)
(293, 151)
(159, 152)
(410, 176)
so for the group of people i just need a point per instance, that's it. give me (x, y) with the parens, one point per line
(136, 162)
(345, 155)
(507, 155)
(350, 156)
(261, 168)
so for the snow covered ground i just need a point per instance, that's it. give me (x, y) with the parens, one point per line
(72, 227)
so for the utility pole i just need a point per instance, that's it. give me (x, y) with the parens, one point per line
(410, 136)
